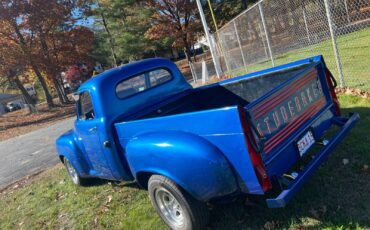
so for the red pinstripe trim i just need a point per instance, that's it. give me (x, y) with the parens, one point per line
(277, 139)
(282, 92)
(277, 100)
(309, 110)
(282, 99)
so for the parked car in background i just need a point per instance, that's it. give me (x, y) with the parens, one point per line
(189, 146)
(12, 106)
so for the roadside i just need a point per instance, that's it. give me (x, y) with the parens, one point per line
(21, 122)
(336, 197)
(30, 152)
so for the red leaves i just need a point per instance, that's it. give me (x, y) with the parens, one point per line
(47, 36)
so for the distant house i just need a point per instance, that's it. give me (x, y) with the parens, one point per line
(6, 98)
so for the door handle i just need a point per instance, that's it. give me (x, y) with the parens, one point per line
(106, 144)
(93, 129)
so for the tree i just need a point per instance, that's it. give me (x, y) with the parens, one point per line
(176, 19)
(11, 16)
(225, 10)
(11, 66)
(59, 42)
(120, 27)
(49, 37)
(101, 12)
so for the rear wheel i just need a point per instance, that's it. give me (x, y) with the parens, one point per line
(176, 208)
(76, 179)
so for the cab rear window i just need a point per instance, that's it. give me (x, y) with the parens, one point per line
(142, 82)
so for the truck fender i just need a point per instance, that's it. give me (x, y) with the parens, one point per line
(189, 160)
(67, 148)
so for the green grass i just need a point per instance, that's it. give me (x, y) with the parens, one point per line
(336, 197)
(354, 50)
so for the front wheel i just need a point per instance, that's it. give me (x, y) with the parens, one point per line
(176, 208)
(76, 179)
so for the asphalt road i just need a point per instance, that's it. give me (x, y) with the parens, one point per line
(30, 153)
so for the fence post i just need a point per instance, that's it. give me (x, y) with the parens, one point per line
(263, 41)
(223, 52)
(240, 46)
(334, 42)
(305, 21)
(347, 12)
(193, 73)
(267, 34)
(211, 47)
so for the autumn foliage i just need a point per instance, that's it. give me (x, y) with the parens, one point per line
(43, 37)
(177, 19)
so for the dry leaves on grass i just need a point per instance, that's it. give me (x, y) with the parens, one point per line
(20, 122)
(355, 92)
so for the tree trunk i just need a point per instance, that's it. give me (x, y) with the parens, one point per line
(28, 54)
(61, 94)
(27, 97)
(52, 68)
(187, 49)
(245, 4)
(49, 99)
(110, 40)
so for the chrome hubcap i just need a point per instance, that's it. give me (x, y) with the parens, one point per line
(72, 172)
(169, 207)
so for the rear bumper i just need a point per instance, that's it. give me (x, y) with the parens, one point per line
(286, 195)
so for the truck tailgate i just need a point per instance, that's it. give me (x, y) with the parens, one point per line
(288, 118)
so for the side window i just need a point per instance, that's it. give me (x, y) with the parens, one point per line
(142, 82)
(85, 107)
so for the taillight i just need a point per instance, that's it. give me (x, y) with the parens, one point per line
(256, 159)
(332, 84)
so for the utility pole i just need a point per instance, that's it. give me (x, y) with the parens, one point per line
(209, 40)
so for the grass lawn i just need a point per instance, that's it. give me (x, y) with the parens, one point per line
(354, 50)
(336, 197)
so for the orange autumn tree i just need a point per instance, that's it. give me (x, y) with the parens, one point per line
(49, 37)
(176, 19)
(11, 66)
(59, 40)
(14, 29)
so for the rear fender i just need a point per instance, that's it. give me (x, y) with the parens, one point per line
(189, 160)
(67, 148)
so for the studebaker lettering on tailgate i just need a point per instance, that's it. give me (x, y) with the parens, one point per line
(288, 108)
(189, 146)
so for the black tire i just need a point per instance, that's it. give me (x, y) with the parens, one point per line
(72, 172)
(189, 214)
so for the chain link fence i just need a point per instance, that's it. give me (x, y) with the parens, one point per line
(274, 32)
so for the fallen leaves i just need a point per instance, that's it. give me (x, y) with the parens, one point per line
(21, 122)
(109, 198)
(355, 92)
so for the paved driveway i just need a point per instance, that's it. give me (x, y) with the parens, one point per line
(30, 153)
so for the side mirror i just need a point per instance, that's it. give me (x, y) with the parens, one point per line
(76, 97)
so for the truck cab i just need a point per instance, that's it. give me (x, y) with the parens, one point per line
(189, 146)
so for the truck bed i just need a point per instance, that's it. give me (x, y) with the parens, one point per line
(239, 91)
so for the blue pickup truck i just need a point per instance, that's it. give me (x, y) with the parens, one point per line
(190, 146)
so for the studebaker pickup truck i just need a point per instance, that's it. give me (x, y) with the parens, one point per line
(189, 146)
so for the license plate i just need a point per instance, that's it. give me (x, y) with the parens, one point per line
(305, 143)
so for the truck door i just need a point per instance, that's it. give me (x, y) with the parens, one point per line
(87, 130)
